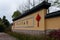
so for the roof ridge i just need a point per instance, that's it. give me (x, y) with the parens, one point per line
(44, 4)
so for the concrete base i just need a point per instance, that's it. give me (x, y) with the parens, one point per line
(32, 32)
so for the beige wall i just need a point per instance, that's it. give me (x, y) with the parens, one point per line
(29, 22)
(53, 23)
(21, 24)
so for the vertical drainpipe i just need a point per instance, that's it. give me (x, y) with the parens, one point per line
(45, 23)
(48, 8)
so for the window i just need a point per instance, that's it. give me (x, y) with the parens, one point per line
(26, 22)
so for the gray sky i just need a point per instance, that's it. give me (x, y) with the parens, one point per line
(7, 7)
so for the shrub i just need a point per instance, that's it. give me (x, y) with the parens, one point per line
(55, 34)
(22, 36)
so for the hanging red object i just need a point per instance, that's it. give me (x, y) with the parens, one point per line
(38, 17)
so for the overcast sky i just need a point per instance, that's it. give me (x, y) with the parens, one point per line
(7, 7)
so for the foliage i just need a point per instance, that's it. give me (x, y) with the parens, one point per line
(22, 36)
(16, 14)
(4, 24)
(55, 34)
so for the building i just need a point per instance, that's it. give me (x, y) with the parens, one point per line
(37, 20)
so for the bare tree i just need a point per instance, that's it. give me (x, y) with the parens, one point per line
(56, 3)
(31, 3)
(26, 6)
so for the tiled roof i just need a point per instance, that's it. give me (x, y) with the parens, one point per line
(53, 14)
(40, 6)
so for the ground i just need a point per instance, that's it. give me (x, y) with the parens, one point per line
(4, 36)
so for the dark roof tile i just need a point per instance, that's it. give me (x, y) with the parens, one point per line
(44, 4)
(53, 14)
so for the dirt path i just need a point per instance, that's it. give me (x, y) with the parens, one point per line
(4, 36)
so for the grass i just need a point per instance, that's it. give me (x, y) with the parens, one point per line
(21, 36)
